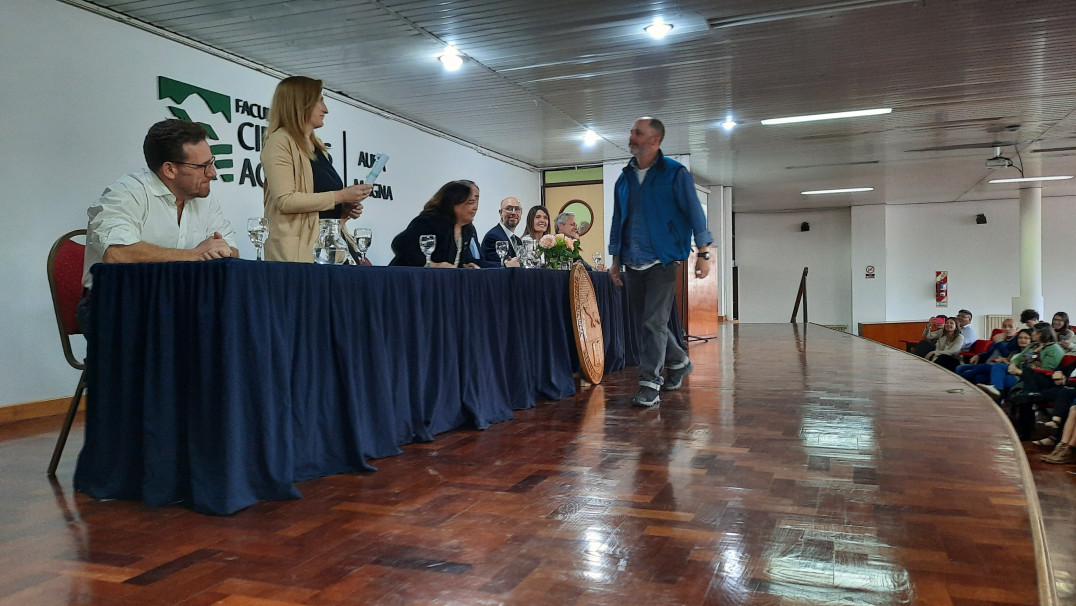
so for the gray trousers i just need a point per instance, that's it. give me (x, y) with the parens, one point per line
(651, 293)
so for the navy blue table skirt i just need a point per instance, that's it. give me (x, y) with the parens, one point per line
(222, 383)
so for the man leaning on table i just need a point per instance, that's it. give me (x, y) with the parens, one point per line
(160, 213)
(655, 214)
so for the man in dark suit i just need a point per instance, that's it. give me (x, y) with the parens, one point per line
(511, 212)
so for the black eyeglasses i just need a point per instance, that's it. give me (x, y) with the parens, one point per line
(205, 167)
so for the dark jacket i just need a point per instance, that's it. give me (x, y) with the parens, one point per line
(405, 244)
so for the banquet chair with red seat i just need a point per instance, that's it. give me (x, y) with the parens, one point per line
(65, 283)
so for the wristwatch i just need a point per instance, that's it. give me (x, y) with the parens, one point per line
(704, 255)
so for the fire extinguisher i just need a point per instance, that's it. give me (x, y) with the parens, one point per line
(941, 287)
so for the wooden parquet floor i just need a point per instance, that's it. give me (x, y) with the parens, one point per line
(796, 467)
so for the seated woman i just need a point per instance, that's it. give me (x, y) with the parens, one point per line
(1044, 352)
(930, 335)
(447, 216)
(1061, 395)
(1060, 324)
(1065, 451)
(999, 354)
(538, 223)
(947, 346)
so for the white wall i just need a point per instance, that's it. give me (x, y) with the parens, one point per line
(982, 260)
(771, 253)
(868, 252)
(1058, 255)
(907, 244)
(79, 92)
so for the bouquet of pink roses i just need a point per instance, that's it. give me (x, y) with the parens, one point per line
(559, 250)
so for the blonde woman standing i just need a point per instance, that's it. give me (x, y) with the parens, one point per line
(295, 193)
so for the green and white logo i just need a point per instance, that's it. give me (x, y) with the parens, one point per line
(178, 92)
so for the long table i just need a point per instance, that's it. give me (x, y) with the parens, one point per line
(222, 383)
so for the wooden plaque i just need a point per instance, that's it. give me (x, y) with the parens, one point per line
(588, 324)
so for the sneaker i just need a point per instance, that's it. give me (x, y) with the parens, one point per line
(990, 390)
(674, 377)
(1063, 455)
(646, 397)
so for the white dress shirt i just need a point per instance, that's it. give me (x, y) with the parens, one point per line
(138, 207)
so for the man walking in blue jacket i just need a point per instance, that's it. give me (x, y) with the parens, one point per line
(655, 215)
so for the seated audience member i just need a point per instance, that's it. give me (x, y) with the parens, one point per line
(1065, 451)
(947, 346)
(970, 336)
(447, 216)
(984, 375)
(161, 213)
(565, 224)
(977, 370)
(1029, 318)
(930, 334)
(1007, 332)
(1061, 396)
(538, 223)
(505, 231)
(1060, 324)
(1044, 352)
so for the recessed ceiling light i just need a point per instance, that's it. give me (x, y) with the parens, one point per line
(590, 137)
(658, 28)
(834, 116)
(1029, 179)
(728, 124)
(451, 58)
(850, 190)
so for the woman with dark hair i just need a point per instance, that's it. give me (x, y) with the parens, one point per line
(538, 223)
(300, 181)
(947, 346)
(1043, 352)
(1060, 325)
(447, 216)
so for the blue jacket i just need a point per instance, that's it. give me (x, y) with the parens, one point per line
(672, 212)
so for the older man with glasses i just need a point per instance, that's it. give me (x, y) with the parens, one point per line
(162, 212)
(511, 212)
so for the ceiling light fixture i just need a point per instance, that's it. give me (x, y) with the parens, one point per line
(850, 190)
(728, 124)
(658, 29)
(1030, 179)
(590, 137)
(834, 116)
(451, 58)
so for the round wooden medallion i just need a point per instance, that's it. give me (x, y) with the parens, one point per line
(588, 324)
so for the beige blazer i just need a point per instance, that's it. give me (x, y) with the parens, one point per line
(290, 205)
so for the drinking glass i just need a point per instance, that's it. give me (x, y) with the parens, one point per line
(502, 250)
(426, 243)
(597, 259)
(258, 228)
(363, 237)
